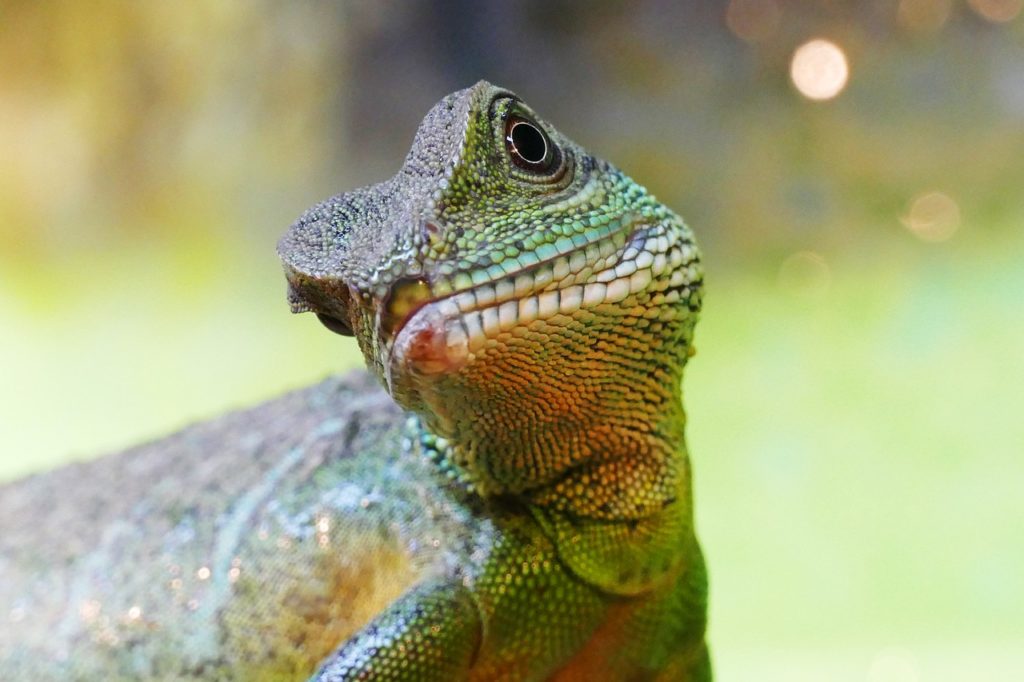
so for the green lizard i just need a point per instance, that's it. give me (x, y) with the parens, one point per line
(532, 308)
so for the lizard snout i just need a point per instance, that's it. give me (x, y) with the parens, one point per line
(329, 299)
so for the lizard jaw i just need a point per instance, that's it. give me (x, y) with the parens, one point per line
(439, 336)
(427, 344)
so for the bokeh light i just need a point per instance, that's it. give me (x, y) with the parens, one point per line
(999, 11)
(805, 275)
(754, 21)
(819, 69)
(925, 16)
(933, 217)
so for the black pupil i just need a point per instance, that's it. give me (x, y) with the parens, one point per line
(528, 141)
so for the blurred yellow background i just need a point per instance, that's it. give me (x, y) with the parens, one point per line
(855, 171)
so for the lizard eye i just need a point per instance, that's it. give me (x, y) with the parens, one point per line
(528, 145)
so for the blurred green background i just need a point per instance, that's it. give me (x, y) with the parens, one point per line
(855, 402)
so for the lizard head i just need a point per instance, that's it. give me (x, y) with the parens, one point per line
(506, 285)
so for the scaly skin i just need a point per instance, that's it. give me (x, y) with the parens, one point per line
(534, 307)
(528, 518)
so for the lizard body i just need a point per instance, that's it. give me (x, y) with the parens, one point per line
(532, 308)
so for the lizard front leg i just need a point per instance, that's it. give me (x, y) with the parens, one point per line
(431, 633)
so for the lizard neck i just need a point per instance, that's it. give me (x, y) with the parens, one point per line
(600, 440)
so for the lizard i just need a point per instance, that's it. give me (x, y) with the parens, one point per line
(515, 504)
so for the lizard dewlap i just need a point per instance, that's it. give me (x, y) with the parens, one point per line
(505, 495)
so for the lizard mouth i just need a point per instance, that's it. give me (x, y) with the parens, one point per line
(335, 324)
(427, 334)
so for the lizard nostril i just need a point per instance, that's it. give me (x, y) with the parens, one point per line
(336, 325)
(432, 233)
